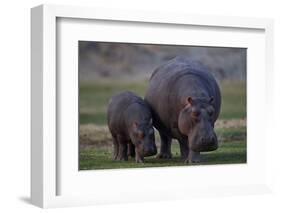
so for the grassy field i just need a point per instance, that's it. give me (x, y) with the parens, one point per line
(94, 97)
(95, 140)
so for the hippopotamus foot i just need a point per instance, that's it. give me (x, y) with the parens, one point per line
(164, 155)
(115, 155)
(139, 159)
(121, 157)
(115, 148)
(193, 157)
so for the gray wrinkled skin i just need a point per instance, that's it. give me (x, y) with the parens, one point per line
(185, 101)
(130, 124)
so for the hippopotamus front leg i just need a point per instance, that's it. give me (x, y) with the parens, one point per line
(193, 157)
(184, 149)
(165, 148)
(139, 158)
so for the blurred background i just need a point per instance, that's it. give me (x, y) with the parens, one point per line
(137, 61)
(109, 68)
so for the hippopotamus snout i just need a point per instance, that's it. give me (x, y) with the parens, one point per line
(210, 140)
(149, 151)
(206, 144)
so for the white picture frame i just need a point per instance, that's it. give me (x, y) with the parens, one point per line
(46, 166)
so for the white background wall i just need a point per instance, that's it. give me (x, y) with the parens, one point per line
(15, 104)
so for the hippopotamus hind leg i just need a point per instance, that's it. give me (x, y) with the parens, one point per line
(123, 147)
(131, 150)
(115, 148)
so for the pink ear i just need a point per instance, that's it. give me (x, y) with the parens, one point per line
(189, 101)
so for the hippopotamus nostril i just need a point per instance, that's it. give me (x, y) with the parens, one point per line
(150, 151)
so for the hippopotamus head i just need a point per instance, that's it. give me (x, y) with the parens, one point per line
(143, 139)
(196, 121)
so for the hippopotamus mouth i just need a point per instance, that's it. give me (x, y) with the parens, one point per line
(150, 152)
(205, 146)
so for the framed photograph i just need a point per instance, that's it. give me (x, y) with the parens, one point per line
(132, 106)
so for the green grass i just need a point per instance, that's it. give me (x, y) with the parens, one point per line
(100, 158)
(94, 97)
(97, 152)
(233, 100)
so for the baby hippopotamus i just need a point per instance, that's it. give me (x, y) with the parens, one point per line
(130, 123)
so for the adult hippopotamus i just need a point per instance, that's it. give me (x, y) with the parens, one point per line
(130, 124)
(185, 100)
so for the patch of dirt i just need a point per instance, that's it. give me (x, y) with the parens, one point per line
(230, 123)
(92, 135)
